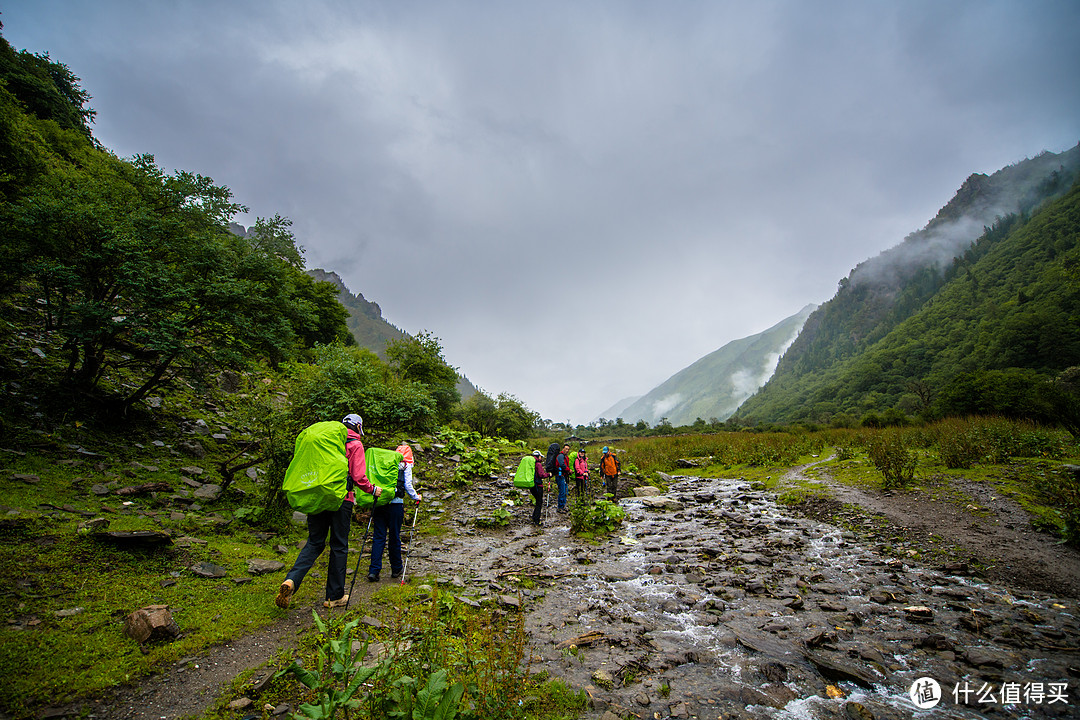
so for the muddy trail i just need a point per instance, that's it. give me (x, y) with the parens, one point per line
(715, 602)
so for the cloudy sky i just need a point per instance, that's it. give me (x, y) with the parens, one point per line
(579, 198)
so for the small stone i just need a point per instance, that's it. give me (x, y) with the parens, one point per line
(240, 703)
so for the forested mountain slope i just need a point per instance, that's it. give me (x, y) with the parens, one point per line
(984, 333)
(714, 386)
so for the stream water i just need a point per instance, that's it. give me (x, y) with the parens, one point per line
(714, 603)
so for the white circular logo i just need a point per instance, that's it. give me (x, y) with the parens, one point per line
(925, 693)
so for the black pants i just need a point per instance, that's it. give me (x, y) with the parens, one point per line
(538, 495)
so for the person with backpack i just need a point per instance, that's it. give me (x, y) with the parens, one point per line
(581, 471)
(387, 519)
(530, 474)
(562, 475)
(334, 522)
(609, 473)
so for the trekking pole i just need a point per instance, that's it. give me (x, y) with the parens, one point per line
(356, 570)
(412, 531)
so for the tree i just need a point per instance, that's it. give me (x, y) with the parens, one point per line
(141, 278)
(419, 359)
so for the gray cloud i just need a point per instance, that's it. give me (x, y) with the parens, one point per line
(520, 177)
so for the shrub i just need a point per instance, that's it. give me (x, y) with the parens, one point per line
(890, 455)
(589, 517)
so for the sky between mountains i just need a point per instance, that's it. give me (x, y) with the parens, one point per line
(578, 198)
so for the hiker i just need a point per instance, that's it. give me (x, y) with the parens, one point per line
(609, 472)
(334, 522)
(562, 475)
(581, 471)
(537, 489)
(388, 519)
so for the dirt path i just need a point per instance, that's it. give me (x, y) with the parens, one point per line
(988, 528)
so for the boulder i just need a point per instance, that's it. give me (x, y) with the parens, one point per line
(662, 502)
(153, 622)
(646, 491)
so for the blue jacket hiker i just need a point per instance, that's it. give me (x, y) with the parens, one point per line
(387, 519)
(562, 475)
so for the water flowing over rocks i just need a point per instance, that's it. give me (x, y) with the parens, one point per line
(715, 603)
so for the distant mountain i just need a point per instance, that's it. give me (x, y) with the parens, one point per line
(616, 410)
(365, 317)
(369, 327)
(714, 386)
(989, 285)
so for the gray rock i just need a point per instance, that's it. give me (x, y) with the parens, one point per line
(209, 570)
(208, 492)
(646, 491)
(662, 502)
(100, 490)
(258, 566)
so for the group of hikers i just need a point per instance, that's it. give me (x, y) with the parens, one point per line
(318, 463)
(565, 466)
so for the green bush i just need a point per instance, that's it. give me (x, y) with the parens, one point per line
(593, 516)
(890, 455)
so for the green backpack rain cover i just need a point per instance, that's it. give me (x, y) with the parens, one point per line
(525, 477)
(318, 476)
(382, 470)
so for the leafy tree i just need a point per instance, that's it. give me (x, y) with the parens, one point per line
(419, 359)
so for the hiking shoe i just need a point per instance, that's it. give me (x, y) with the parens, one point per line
(340, 602)
(284, 594)
(396, 573)
(373, 577)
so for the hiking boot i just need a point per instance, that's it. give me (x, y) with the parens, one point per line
(284, 594)
(340, 602)
(395, 574)
(373, 577)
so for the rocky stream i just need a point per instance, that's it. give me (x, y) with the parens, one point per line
(713, 602)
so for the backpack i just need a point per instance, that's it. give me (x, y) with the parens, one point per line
(525, 476)
(609, 465)
(317, 478)
(549, 459)
(382, 470)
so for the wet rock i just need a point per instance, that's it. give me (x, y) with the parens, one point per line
(603, 678)
(856, 711)
(642, 699)
(646, 491)
(679, 710)
(662, 502)
(981, 657)
(832, 667)
(918, 613)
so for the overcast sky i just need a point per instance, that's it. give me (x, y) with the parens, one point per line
(579, 198)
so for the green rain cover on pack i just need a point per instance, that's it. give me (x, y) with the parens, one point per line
(317, 479)
(525, 477)
(382, 470)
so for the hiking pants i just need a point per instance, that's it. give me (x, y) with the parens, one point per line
(387, 520)
(612, 484)
(560, 480)
(336, 523)
(538, 496)
(579, 486)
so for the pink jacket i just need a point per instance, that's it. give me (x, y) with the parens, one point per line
(354, 451)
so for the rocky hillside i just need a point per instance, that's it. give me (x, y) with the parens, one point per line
(984, 286)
